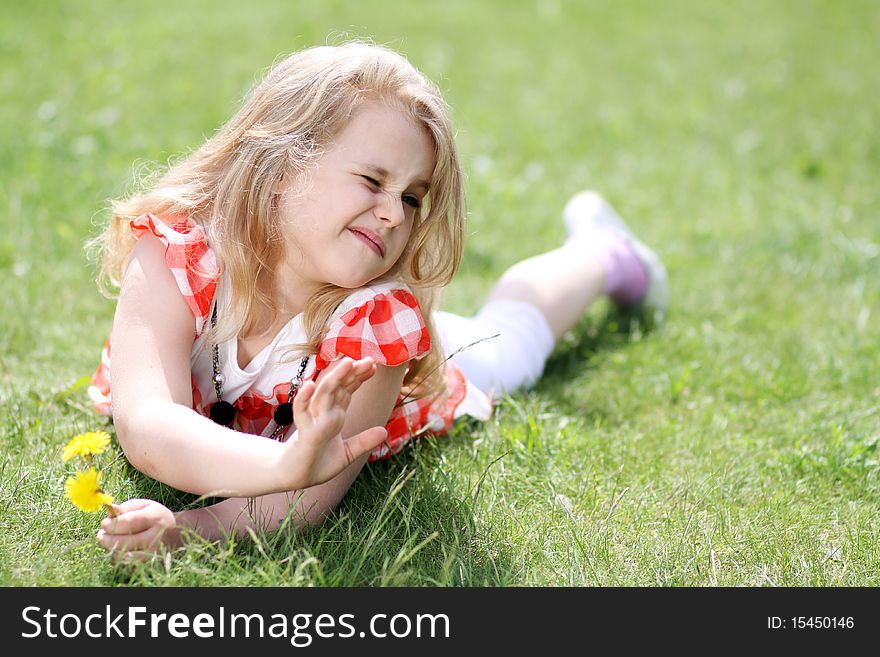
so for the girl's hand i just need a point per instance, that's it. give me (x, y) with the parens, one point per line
(139, 530)
(316, 451)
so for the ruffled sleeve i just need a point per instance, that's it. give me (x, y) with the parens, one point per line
(189, 257)
(385, 323)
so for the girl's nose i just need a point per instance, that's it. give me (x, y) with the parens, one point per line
(389, 209)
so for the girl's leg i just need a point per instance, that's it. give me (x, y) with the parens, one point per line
(600, 257)
(502, 348)
(561, 284)
(539, 299)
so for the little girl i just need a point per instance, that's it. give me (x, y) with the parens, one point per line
(275, 325)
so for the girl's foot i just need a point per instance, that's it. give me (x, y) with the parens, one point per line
(635, 278)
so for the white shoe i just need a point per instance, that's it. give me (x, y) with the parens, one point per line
(588, 211)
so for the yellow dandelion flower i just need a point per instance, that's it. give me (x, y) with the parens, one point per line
(84, 490)
(86, 445)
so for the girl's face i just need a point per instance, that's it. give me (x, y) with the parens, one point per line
(352, 222)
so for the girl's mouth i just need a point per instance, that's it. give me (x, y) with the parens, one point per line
(371, 239)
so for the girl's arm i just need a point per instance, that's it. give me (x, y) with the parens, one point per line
(163, 437)
(143, 526)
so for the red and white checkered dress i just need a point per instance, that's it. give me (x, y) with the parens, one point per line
(382, 321)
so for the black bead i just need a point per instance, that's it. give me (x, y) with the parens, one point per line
(283, 415)
(222, 412)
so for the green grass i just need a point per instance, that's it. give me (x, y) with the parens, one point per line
(737, 445)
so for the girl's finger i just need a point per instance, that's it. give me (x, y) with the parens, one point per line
(127, 542)
(361, 371)
(339, 367)
(131, 522)
(364, 442)
(327, 386)
(360, 374)
(354, 384)
(134, 504)
(105, 540)
(363, 366)
(302, 405)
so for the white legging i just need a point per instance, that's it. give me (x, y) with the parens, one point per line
(514, 358)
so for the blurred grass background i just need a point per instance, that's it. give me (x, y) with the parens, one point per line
(737, 445)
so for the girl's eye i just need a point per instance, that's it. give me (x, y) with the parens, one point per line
(411, 200)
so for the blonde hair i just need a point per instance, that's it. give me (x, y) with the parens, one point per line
(226, 186)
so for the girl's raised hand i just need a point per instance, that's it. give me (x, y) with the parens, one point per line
(316, 451)
(138, 531)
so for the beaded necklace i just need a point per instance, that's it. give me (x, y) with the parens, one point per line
(222, 412)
